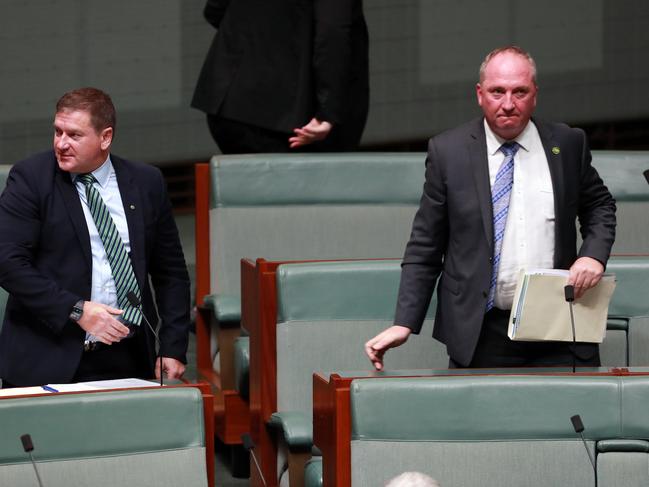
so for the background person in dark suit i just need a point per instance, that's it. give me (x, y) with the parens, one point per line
(61, 321)
(456, 233)
(283, 73)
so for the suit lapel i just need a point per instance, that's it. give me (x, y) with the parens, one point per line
(72, 203)
(555, 163)
(480, 169)
(132, 201)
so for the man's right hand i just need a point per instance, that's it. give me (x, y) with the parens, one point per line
(100, 321)
(381, 343)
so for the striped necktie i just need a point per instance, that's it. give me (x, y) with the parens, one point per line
(118, 258)
(500, 195)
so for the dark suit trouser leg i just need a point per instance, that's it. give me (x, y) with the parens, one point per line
(235, 137)
(121, 360)
(495, 349)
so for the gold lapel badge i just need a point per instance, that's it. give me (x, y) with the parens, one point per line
(556, 150)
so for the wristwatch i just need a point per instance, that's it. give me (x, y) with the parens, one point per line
(77, 311)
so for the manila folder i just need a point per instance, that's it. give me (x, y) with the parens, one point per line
(541, 313)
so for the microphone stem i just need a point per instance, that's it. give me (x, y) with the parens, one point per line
(590, 457)
(38, 477)
(574, 339)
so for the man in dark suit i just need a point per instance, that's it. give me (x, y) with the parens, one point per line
(502, 193)
(80, 230)
(283, 74)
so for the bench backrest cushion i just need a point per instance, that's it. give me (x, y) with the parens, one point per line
(133, 437)
(295, 207)
(490, 431)
(356, 205)
(622, 171)
(326, 313)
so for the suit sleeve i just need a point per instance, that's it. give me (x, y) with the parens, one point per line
(424, 254)
(596, 211)
(170, 280)
(20, 228)
(332, 56)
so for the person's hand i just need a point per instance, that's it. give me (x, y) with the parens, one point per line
(584, 274)
(312, 132)
(174, 369)
(100, 321)
(381, 343)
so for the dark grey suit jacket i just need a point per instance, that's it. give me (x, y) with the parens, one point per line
(46, 266)
(452, 233)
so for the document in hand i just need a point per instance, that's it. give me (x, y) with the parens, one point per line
(541, 313)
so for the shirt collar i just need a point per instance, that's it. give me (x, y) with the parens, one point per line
(524, 139)
(102, 173)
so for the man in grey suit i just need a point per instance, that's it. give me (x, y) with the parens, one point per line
(502, 193)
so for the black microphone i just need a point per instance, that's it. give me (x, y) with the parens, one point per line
(579, 428)
(646, 175)
(569, 294)
(249, 445)
(28, 446)
(137, 303)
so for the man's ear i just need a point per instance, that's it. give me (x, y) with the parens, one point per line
(106, 137)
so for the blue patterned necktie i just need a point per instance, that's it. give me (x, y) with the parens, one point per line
(500, 195)
(118, 258)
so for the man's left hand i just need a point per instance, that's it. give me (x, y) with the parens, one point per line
(174, 369)
(312, 132)
(584, 274)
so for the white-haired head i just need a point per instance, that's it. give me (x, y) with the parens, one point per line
(412, 479)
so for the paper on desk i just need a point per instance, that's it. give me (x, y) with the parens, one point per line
(103, 384)
(540, 312)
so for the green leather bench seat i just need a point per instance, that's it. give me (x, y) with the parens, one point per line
(136, 438)
(622, 173)
(306, 207)
(242, 366)
(313, 473)
(508, 431)
(627, 335)
(326, 311)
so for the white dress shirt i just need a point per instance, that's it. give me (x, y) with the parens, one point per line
(529, 232)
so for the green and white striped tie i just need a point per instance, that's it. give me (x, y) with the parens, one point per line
(118, 258)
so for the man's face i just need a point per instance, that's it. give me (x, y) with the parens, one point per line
(507, 94)
(78, 146)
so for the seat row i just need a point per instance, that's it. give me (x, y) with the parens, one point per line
(341, 206)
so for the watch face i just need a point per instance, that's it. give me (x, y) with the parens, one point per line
(77, 311)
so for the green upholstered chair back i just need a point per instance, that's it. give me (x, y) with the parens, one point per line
(491, 431)
(326, 313)
(356, 205)
(153, 437)
(4, 173)
(627, 337)
(622, 173)
(295, 207)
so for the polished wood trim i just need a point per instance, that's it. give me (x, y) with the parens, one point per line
(332, 428)
(203, 285)
(232, 416)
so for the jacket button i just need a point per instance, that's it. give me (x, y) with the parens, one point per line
(485, 294)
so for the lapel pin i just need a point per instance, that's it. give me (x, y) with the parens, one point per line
(132, 207)
(556, 150)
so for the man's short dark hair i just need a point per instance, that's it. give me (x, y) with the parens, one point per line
(92, 100)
